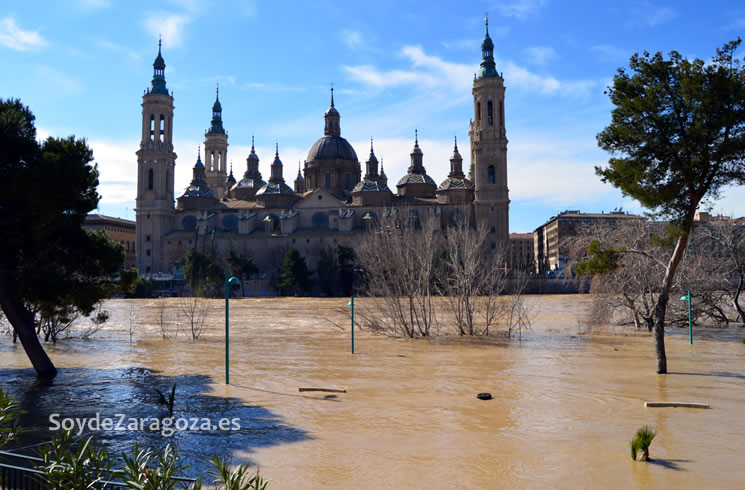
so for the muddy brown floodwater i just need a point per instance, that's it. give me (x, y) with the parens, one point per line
(564, 408)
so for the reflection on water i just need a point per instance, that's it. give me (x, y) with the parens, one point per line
(565, 405)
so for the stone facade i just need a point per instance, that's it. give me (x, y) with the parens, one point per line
(122, 231)
(331, 202)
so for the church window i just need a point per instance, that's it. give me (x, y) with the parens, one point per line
(150, 178)
(328, 180)
(501, 114)
(147, 252)
(212, 161)
(147, 238)
(491, 174)
(152, 127)
(349, 180)
(162, 128)
(490, 113)
(478, 111)
(492, 230)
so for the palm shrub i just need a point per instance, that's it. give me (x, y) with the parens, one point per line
(641, 442)
(148, 470)
(66, 466)
(227, 477)
(9, 414)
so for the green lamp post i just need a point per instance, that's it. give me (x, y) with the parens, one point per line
(229, 283)
(690, 318)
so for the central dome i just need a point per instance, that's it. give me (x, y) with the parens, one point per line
(332, 148)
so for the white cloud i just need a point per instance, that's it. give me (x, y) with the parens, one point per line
(132, 55)
(660, 16)
(271, 87)
(13, 37)
(520, 9)
(62, 82)
(540, 55)
(434, 73)
(650, 15)
(608, 52)
(353, 39)
(94, 4)
(170, 26)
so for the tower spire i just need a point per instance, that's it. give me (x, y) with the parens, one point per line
(488, 67)
(332, 95)
(216, 124)
(332, 119)
(158, 85)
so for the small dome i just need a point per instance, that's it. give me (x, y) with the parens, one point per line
(371, 185)
(487, 44)
(253, 155)
(198, 190)
(455, 183)
(275, 188)
(332, 148)
(159, 62)
(231, 178)
(217, 107)
(250, 183)
(332, 111)
(416, 179)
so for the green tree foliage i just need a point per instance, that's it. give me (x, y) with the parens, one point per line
(202, 273)
(294, 272)
(47, 258)
(346, 259)
(241, 266)
(328, 271)
(127, 282)
(676, 138)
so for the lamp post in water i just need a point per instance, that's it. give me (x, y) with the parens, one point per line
(229, 283)
(690, 319)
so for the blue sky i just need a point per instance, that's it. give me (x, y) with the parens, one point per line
(82, 66)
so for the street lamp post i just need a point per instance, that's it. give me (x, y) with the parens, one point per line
(229, 282)
(690, 318)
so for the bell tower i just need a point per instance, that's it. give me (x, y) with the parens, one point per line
(216, 150)
(156, 163)
(489, 148)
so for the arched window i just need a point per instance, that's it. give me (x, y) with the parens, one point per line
(328, 180)
(150, 178)
(478, 111)
(501, 114)
(152, 127)
(212, 160)
(162, 128)
(491, 174)
(348, 181)
(490, 113)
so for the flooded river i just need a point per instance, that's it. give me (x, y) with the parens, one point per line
(565, 405)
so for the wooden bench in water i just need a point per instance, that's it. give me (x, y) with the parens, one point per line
(325, 390)
(675, 404)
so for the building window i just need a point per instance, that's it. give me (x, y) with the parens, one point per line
(147, 252)
(490, 113)
(307, 240)
(328, 180)
(349, 180)
(493, 245)
(147, 238)
(152, 128)
(491, 174)
(150, 178)
(148, 215)
(478, 111)
(492, 230)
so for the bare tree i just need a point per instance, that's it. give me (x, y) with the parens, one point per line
(519, 314)
(131, 321)
(195, 310)
(398, 261)
(470, 275)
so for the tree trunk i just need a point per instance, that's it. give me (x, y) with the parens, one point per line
(662, 299)
(736, 300)
(23, 325)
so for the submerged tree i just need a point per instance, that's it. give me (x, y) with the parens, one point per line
(46, 256)
(677, 137)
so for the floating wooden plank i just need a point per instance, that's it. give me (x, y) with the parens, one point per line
(325, 390)
(675, 404)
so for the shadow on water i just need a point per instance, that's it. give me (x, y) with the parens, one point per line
(83, 393)
(671, 464)
(716, 375)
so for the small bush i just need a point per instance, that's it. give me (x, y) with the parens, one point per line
(641, 442)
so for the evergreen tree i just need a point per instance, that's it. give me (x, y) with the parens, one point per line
(328, 271)
(202, 273)
(241, 266)
(346, 259)
(294, 272)
(676, 138)
(48, 261)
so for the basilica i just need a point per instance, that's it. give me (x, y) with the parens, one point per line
(331, 200)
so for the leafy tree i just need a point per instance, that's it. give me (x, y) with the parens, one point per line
(294, 272)
(201, 272)
(328, 271)
(47, 258)
(127, 282)
(346, 259)
(676, 138)
(241, 266)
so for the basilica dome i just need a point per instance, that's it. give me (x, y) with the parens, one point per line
(332, 148)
